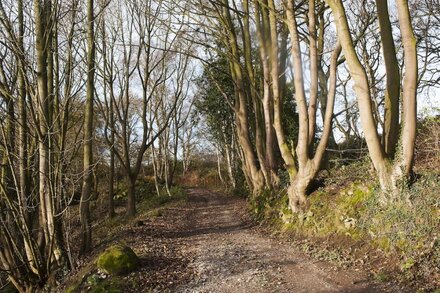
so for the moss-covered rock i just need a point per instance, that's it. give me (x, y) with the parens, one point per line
(118, 260)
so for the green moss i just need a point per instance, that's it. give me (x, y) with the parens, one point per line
(94, 283)
(152, 201)
(155, 213)
(118, 260)
(406, 228)
(263, 204)
(384, 243)
(342, 213)
(351, 201)
(73, 289)
(107, 286)
(408, 264)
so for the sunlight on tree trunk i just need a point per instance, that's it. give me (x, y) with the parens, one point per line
(86, 194)
(389, 173)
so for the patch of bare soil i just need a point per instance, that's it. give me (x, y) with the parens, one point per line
(210, 244)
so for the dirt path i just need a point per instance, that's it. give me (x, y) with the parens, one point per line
(210, 245)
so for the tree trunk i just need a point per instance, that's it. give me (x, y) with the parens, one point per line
(308, 166)
(156, 175)
(409, 95)
(22, 118)
(297, 193)
(313, 75)
(111, 203)
(302, 149)
(219, 167)
(229, 165)
(252, 89)
(42, 100)
(8, 138)
(86, 227)
(131, 196)
(111, 115)
(388, 174)
(167, 174)
(390, 134)
(254, 174)
(268, 47)
(361, 88)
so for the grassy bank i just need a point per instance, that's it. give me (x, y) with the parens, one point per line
(348, 224)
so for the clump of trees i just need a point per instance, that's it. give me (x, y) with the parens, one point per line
(319, 50)
(82, 84)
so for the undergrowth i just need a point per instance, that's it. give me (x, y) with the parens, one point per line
(147, 199)
(149, 205)
(350, 209)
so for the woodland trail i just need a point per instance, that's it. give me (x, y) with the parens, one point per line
(209, 244)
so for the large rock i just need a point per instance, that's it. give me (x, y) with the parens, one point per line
(118, 260)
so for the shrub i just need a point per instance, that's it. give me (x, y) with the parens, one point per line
(427, 151)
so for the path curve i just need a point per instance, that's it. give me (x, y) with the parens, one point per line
(230, 254)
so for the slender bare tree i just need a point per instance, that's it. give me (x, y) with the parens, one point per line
(389, 172)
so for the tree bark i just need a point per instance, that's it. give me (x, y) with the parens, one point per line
(86, 227)
(390, 134)
(313, 52)
(42, 101)
(111, 179)
(232, 179)
(22, 118)
(111, 114)
(361, 87)
(254, 173)
(308, 166)
(262, 106)
(409, 95)
(219, 167)
(300, 96)
(388, 174)
(131, 196)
